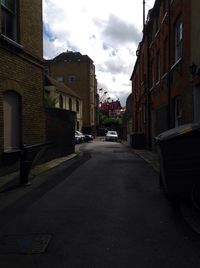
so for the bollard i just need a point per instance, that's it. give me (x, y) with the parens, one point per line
(25, 165)
(27, 157)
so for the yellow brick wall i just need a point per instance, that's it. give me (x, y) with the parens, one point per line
(81, 86)
(30, 18)
(21, 69)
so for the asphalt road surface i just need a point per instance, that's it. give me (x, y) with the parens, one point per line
(104, 211)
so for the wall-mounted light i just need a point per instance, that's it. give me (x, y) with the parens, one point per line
(194, 69)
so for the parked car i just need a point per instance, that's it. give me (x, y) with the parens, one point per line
(79, 137)
(111, 135)
(88, 137)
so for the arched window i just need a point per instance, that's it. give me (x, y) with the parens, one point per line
(61, 102)
(77, 106)
(70, 104)
(12, 119)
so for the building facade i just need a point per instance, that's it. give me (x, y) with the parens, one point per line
(195, 57)
(21, 76)
(127, 118)
(77, 71)
(60, 96)
(162, 87)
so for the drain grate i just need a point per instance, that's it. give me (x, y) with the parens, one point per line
(24, 244)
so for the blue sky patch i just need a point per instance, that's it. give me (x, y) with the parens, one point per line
(47, 33)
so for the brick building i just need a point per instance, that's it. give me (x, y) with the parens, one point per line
(21, 82)
(78, 72)
(195, 57)
(127, 118)
(61, 96)
(162, 84)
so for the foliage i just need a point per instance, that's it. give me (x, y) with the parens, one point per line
(49, 102)
(107, 121)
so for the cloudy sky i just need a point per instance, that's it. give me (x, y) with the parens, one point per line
(108, 31)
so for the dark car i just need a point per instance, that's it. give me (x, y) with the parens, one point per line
(88, 137)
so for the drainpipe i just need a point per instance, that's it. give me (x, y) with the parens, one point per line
(147, 89)
(169, 68)
(148, 95)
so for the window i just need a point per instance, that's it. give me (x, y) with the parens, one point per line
(46, 70)
(71, 79)
(178, 110)
(196, 96)
(158, 66)
(60, 79)
(60, 101)
(77, 106)
(9, 18)
(142, 68)
(156, 22)
(165, 55)
(178, 37)
(70, 104)
(151, 74)
(150, 35)
(164, 7)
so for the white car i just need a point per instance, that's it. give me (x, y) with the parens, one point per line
(111, 135)
(79, 136)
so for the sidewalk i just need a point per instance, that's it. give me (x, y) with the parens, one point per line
(189, 211)
(35, 171)
(150, 157)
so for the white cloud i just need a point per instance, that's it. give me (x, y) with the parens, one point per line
(107, 31)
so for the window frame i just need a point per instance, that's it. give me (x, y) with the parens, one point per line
(60, 79)
(77, 106)
(158, 66)
(71, 79)
(152, 78)
(178, 110)
(61, 101)
(178, 39)
(9, 16)
(70, 103)
(165, 55)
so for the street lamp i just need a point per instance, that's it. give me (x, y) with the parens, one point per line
(194, 69)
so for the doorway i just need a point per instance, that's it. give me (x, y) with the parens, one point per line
(11, 117)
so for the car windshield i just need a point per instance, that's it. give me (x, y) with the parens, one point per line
(112, 132)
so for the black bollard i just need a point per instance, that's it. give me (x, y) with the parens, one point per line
(25, 166)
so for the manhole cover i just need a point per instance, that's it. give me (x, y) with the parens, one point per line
(120, 151)
(24, 244)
